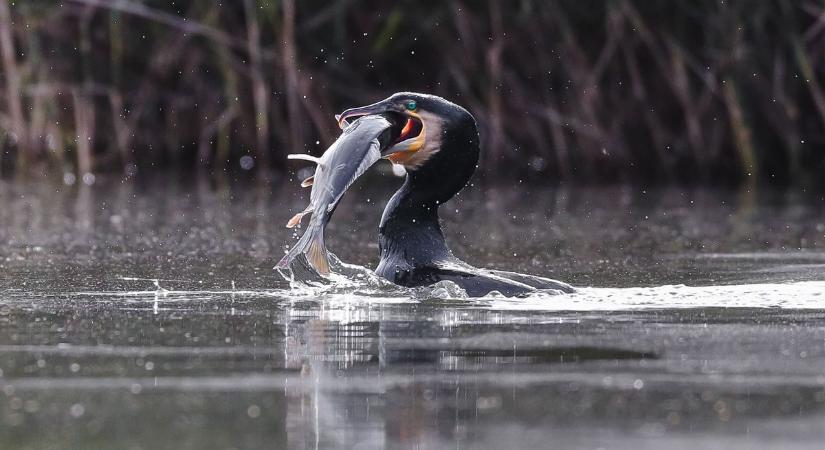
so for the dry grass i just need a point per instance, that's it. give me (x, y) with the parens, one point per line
(590, 91)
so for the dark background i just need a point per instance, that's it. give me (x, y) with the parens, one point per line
(711, 92)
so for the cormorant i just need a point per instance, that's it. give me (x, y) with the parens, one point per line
(438, 145)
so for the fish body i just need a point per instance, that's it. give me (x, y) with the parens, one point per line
(358, 148)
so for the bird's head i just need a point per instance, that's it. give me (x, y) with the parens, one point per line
(430, 131)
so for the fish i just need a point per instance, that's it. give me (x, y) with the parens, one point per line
(357, 148)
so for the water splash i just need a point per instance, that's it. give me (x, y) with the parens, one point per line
(792, 295)
(345, 279)
(351, 282)
(352, 285)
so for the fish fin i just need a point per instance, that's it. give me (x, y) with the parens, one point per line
(293, 253)
(308, 182)
(296, 219)
(317, 254)
(312, 245)
(305, 157)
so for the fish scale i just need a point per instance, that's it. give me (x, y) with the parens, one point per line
(355, 151)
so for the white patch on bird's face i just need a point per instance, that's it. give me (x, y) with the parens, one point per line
(431, 133)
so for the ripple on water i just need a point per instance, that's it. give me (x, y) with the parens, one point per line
(353, 285)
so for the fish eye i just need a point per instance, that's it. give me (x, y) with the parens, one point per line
(411, 105)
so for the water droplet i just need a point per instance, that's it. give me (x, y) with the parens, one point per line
(77, 410)
(254, 411)
(247, 162)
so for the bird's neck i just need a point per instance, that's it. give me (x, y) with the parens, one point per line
(409, 232)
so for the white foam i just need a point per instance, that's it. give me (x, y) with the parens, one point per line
(355, 287)
(794, 295)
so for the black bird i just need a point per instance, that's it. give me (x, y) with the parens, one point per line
(438, 145)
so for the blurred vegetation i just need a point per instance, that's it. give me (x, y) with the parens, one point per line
(581, 91)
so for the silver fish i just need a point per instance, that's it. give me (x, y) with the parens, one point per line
(359, 147)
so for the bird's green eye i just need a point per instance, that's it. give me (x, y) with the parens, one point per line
(411, 105)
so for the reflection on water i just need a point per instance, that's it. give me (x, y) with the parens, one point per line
(150, 318)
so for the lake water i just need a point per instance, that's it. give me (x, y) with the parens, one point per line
(148, 316)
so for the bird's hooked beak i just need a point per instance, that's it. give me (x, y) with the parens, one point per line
(411, 129)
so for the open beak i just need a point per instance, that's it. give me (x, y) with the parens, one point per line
(409, 135)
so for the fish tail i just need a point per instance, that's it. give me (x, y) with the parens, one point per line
(313, 247)
(317, 253)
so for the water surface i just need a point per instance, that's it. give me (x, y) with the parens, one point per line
(149, 316)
